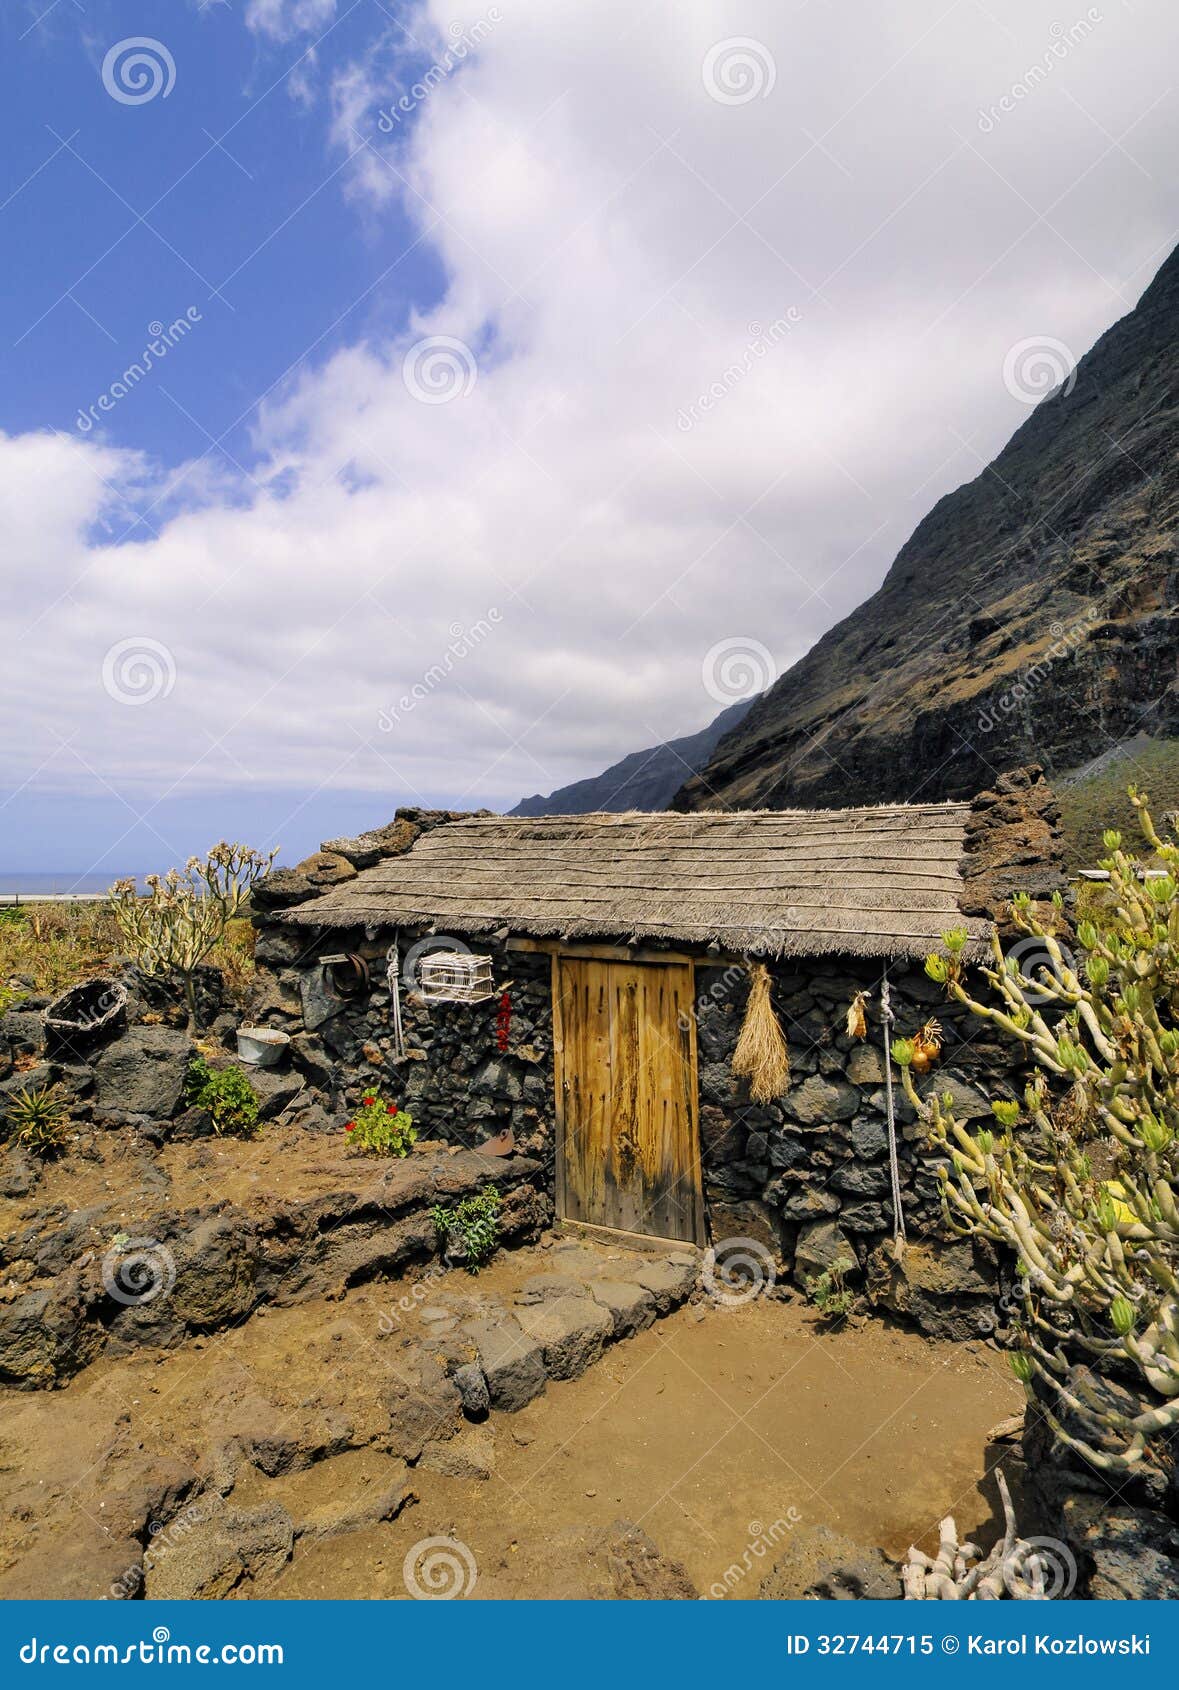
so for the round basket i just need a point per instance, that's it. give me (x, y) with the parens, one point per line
(86, 1011)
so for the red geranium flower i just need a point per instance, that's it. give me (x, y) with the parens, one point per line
(351, 1127)
(370, 1100)
(392, 1109)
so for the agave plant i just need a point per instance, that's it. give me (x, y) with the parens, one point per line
(37, 1117)
(1080, 1178)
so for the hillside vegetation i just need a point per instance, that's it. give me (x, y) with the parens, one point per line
(1098, 801)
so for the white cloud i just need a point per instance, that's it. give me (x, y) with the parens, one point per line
(281, 20)
(615, 241)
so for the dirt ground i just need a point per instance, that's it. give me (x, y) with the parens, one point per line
(133, 1182)
(709, 1429)
(706, 1430)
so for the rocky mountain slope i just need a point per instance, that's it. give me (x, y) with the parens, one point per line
(644, 780)
(1032, 616)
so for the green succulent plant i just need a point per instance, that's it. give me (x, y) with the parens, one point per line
(1085, 1193)
(38, 1117)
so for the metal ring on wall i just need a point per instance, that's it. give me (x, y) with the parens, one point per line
(347, 975)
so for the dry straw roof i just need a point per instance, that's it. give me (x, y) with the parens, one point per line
(872, 882)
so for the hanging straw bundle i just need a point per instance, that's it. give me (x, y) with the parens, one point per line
(857, 1021)
(761, 1055)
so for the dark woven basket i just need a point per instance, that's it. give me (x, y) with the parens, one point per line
(86, 1011)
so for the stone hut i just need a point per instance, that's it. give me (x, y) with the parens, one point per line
(607, 960)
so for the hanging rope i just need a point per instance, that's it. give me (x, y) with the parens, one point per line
(393, 976)
(886, 1022)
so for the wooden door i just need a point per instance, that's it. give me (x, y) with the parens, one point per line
(627, 1137)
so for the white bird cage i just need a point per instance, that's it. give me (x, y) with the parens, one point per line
(454, 977)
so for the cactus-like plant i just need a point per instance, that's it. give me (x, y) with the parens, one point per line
(173, 928)
(38, 1118)
(1084, 1191)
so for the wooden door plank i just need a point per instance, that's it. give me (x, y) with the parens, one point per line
(625, 1076)
(625, 1209)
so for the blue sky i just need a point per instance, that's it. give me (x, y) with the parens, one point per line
(217, 196)
(525, 426)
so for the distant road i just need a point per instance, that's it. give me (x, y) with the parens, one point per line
(52, 898)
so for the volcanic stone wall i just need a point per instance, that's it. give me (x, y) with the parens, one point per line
(470, 1070)
(808, 1174)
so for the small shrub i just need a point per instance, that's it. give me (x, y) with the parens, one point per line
(228, 1096)
(828, 1292)
(473, 1224)
(380, 1128)
(38, 1118)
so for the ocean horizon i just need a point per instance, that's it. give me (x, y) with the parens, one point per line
(38, 883)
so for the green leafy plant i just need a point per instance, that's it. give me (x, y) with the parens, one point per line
(473, 1225)
(184, 915)
(828, 1292)
(380, 1128)
(38, 1118)
(1083, 1188)
(228, 1096)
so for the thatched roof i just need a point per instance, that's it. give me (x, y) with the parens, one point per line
(872, 882)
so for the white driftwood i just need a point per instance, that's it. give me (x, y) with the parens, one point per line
(961, 1573)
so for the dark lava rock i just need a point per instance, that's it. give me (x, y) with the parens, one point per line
(144, 1072)
(193, 1123)
(281, 889)
(1132, 1555)
(421, 1411)
(512, 1362)
(472, 1390)
(820, 1564)
(18, 1173)
(45, 1333)
(24, 1032)
(938, 1287)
